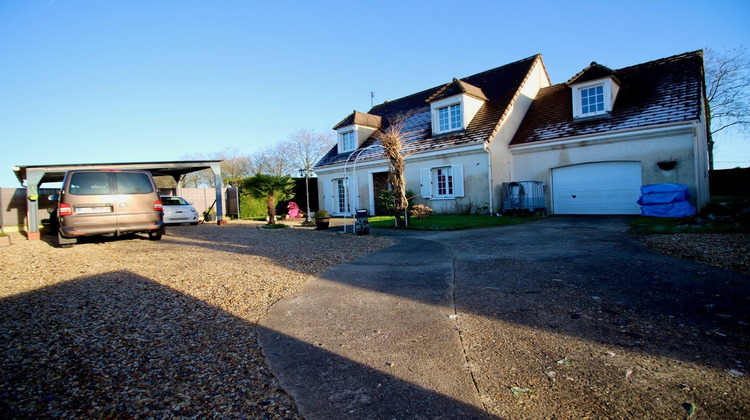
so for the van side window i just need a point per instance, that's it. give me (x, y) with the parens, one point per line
(133, 183)
(90, 183)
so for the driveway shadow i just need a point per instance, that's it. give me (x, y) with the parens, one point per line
(121, 345)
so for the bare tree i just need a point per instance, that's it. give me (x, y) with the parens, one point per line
(259, 162)
(235, 167)
(392, 140)
(280, 159)
(307, 149)
(727, 92)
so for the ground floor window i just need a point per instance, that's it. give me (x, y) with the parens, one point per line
(342, 204)
(443, 181)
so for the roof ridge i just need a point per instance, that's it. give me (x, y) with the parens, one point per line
(442, 87)
(512, 102)
(676, 57)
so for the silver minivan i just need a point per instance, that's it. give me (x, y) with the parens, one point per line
(107, 202)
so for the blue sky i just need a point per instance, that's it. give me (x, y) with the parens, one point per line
(120, 81)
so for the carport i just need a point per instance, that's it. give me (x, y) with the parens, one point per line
(32, 177)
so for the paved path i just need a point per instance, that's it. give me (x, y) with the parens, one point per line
(380, 337)
(373, 336)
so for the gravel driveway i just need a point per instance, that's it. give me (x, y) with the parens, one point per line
(125, 327)
(131, 327)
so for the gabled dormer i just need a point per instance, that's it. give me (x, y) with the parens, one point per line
(454, 106)
(353, 130)
(594, 91)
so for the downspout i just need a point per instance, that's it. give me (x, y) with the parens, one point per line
(698, 169)
(489, 174)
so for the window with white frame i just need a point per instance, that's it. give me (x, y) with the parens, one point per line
(442, 181)
(347, 141)
(592, 100)
(342, 204)
(449, 118)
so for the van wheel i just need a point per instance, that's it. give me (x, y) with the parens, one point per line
(154, 236)
(65, 242)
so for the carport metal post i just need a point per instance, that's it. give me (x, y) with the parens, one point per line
(216, 168)
(33, 176)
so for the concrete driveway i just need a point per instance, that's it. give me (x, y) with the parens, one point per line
(566, 317)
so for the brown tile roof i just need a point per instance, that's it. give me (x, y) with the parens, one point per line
(360, 118)
(592, 72)
(663, 91)
(457, 87)
(500, 86)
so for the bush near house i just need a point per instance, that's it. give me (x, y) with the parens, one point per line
(421, 211)
(251, 207)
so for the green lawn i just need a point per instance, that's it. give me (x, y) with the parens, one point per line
(721, 215)
(451, 221)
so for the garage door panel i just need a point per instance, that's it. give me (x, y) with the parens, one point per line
(597, 188)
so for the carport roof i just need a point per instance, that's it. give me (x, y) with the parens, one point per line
(175, 169)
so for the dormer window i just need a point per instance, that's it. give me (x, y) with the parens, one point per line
(449, 118)
(454, 106)
(594, 91)
(592, 100)
(355, 129)
(348, 142)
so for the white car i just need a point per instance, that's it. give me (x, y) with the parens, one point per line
(178, 210)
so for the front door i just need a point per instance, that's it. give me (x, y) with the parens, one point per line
(379, 185)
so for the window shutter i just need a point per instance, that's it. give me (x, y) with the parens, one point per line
(425, 183)
(327, 203)
(353, 194)
(458, 180)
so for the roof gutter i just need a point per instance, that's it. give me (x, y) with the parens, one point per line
(605, 137)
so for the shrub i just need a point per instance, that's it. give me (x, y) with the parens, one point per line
(321, 214)
(420, 211)
(251, 207)
(386, 201)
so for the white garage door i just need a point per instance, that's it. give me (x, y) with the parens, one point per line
(597, 188)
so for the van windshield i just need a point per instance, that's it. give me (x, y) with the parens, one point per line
(133, 183)
(90, 183)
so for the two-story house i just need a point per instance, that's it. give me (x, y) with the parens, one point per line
(593, 141)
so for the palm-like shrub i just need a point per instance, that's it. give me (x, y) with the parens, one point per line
(272, 188)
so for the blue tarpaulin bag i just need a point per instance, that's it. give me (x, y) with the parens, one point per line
(663, 194)
(665, 200)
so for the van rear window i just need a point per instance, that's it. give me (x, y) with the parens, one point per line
(90, 183)
(133, 183)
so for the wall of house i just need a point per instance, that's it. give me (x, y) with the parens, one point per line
(677, 143)
(475, 181)
(472, 159)
(502, 160)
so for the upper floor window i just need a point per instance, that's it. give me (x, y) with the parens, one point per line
(592, 100)
(449, 118)
(348, 141)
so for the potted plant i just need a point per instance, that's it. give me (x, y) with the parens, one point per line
(322, 219)
(4, 239)
(209, 215)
